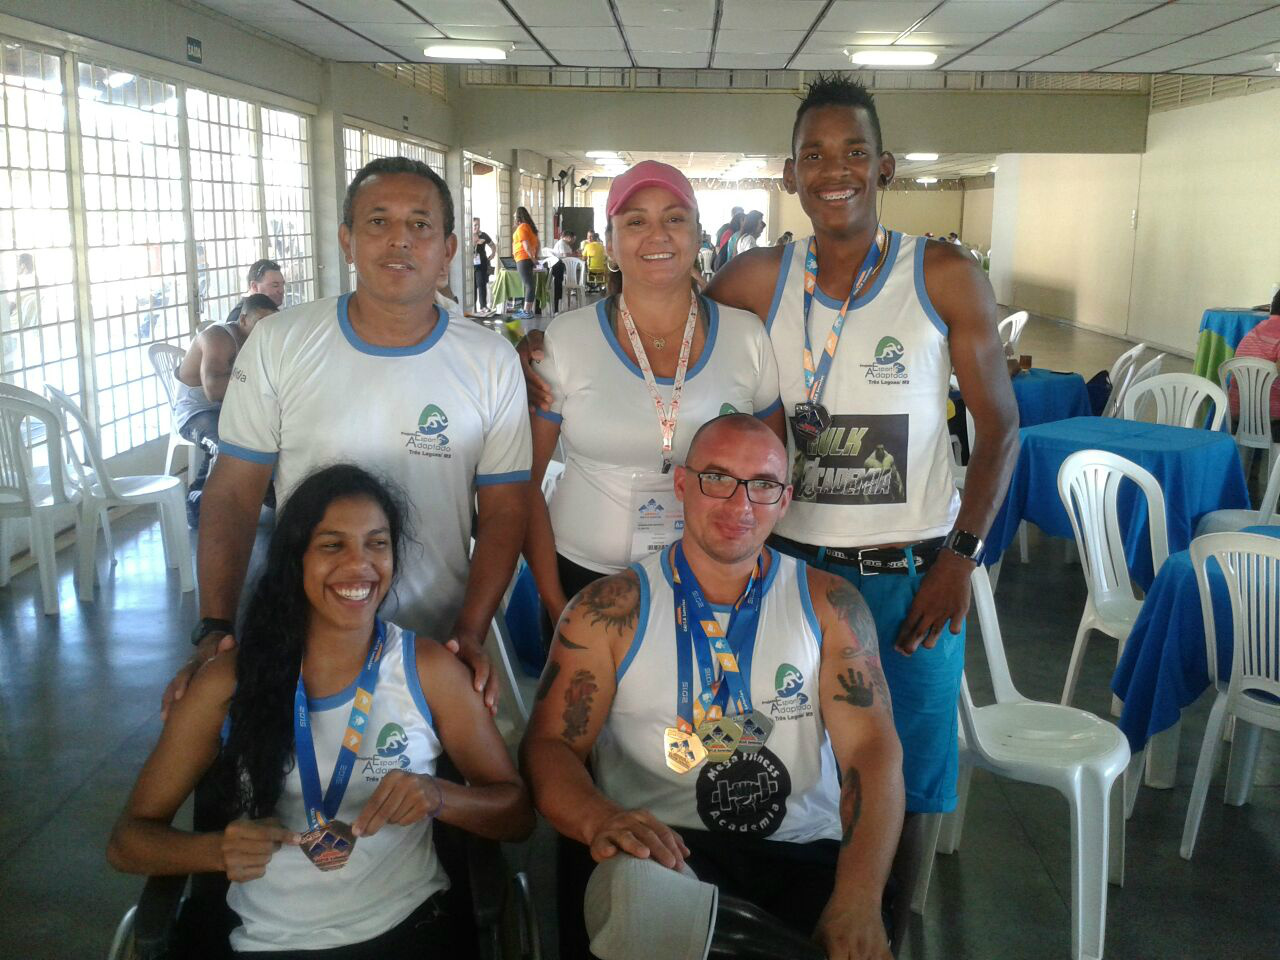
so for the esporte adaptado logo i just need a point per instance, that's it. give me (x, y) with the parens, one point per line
(430, 439)
(389, 753)
(887, 365)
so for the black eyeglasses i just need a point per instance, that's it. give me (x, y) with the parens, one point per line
(722, 486)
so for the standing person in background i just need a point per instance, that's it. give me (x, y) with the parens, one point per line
(482, 253)
(525, 248)
(752, 227)
(266, 278)
(726, 231)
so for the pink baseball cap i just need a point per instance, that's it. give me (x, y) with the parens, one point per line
(649, 173)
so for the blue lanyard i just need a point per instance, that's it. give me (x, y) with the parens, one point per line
(698, 631)
(321, 812)
(815, 377)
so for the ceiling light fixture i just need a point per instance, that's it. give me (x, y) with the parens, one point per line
(458, 51)
(602, 154)
(925, 181)
(922, 157)
(892, 57)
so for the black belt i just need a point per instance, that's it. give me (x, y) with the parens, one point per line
(870, 561)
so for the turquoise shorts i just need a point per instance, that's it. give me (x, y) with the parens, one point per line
(925, 686)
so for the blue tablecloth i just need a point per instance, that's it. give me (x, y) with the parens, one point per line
(1221, 330)
(1045, 396)
(1199, 471)
(1164, 667)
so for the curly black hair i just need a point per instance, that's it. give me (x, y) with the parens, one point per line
(837, 90)
(259, 748)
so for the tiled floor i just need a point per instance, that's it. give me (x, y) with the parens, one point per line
(79, 709)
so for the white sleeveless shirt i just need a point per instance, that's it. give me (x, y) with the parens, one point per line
(789, 790)
(881, 472)
(294, 905)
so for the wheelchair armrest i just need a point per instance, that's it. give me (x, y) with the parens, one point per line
(488, 874)
(156, 915)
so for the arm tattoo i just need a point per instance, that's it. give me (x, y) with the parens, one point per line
(853, 610)
(548, 678)
(850, 804)
(577, 704)
(613, 603)
(567, 643)
(857, 692)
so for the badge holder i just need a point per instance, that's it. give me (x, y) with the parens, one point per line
(657, 517)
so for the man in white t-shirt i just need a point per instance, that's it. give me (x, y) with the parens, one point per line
(393, 378)
(752, 227)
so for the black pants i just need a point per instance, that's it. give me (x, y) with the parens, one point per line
(557, 282)
(430, 931)
(525, 269)
(792, 881)
(481, 276)
(573, 578)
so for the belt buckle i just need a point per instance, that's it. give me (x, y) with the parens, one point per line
(861, 570)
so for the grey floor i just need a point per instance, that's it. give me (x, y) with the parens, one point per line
(79, 709)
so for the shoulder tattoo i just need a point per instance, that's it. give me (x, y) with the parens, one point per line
(612, 603)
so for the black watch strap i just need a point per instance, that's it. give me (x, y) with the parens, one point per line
(208, 625)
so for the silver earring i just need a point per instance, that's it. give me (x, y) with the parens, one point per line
(611, 265)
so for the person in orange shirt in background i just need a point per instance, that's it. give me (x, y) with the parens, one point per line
(525, 249)
(1263, 342)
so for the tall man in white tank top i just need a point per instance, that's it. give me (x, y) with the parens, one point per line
(866, 325)
(731, 703)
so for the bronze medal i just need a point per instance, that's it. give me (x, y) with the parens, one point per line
(756, 728)
(329, 847)
(808, 422)
(684, 751)
(720, 737)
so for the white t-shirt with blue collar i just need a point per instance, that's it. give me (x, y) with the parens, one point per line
(439, 418)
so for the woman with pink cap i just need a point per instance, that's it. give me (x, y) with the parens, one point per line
(633, 376)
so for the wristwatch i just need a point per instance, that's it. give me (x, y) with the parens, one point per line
(208, 625)
(965, 544)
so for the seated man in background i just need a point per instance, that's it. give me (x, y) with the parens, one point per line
(727, 756)
(203, 376)
(593, 253)
(565, 246)
(1263, 342)
(265, 277)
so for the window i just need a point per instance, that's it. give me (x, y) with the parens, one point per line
(533, 197)
(136, 241)
(286, 173)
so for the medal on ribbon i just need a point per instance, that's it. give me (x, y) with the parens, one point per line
(683, 749)
(756, 728)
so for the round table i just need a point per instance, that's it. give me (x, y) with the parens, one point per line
(1221, 330)
(1046, 395)
(507, 285)
(1198, 470)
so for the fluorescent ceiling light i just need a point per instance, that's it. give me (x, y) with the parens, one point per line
(925, 157)
(894, 57)
(458, 51)
(926, 180)
(603, 154)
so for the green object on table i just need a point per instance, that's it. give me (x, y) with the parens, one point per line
(507, 285)
(1212, 351)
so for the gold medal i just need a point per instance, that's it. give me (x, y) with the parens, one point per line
(684, 750)
(720, 737)
(329, 847)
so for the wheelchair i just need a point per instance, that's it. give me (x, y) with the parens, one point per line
(187, 917)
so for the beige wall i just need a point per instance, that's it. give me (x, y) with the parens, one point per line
(976, 226)
(911, 211)
(1208, 210)
(1073, 239)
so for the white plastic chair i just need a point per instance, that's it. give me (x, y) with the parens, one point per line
(1250, 563)
(165, 358)
(1010, 330)
(99, 490)
(575, 282)
(1231, 521)
(1179, 399)
(1253, 377)
(23, 496)
(1121, 371)
(1088, 483)
(1073, 751)
(1136, 375)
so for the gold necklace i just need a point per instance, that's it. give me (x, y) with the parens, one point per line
(660, 342)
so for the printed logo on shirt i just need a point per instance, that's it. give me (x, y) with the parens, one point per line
(727, 408)
(791, 703)
(887, 366)
(388, 753)
(857, 460)
(746, 794)
(429, 440)
(238, 374)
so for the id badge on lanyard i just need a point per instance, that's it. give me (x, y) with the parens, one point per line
(657, 517)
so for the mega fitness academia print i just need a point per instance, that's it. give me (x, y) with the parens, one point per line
(430, 439)
(859, 459)
(746, 794)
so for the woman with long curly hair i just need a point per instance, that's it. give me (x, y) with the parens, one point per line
(526, 248)
(322, 730)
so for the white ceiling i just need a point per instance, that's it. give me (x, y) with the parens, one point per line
(1077, 36)
(712, 165)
